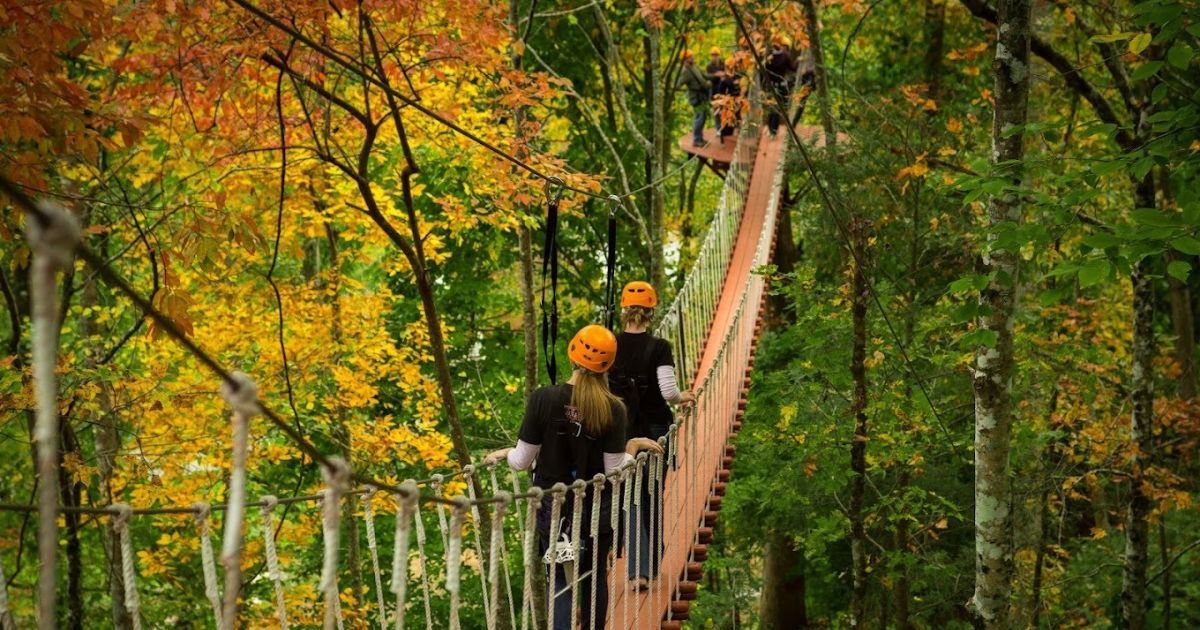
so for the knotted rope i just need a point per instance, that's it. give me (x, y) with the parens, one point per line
(614, 516)
(559, 491)
(577, 488)
(625, 502)
(128, 569)
(495, 549)
(436, 484)
(512, 613)
(597, 491)
(273, 572)
(528, 557)
(211, 590)
(373, 548)
(337, 484)
(53, 241)
(638, 476)
(421, 559)
(406, 505)
(241, 393)
(454, 560)
(468, 477)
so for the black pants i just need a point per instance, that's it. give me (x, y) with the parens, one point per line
(780, 91)
(559, 581)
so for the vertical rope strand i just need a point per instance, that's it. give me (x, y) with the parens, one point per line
(337, 483)
(528, 556)
(406, 505)
(454, 561)
(597, 492)
(477, 531)
(625, 502)
(559, 491)
(241, 393)
(420, 523)
(273, 571)
(495, 549)
(211, 590)
(128, 568)
(577, 489)
(507, 574)
(373, 549)
(52, 244)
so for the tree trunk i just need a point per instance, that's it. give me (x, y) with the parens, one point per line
(783, 605)
(525, 244)
(935, 39)
(812, 26)
(524, 234)
(71, 492)
(858, 409)
(658, 134)
(1133, 588)
(990, 603)
(1183, 324)
(528, 312)
(107, 442)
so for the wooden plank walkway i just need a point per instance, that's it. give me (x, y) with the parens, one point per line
(685, 495)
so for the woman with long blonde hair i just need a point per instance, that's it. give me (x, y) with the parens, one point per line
(573, 431)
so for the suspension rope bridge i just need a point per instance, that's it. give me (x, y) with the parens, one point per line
(714, 322)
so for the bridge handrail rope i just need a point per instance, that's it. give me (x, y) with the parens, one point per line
(690, 318)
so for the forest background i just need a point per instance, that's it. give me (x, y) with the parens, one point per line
(377, 273)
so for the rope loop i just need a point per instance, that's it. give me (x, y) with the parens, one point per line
(208, 563)
(269, 502)
(241, 394)
(337, 483)
(120, 522)
(54, 238)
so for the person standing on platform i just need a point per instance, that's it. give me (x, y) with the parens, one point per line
(715, 69)
(698, 85)
(644, 377)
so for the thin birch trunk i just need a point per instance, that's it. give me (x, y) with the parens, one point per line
(994, 362)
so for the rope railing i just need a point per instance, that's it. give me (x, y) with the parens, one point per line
(673, 486)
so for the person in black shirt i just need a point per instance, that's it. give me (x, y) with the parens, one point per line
(644, 377)
(780, 66)
(574, 431)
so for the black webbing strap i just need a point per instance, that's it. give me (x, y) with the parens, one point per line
(550, 264)
(610, 290)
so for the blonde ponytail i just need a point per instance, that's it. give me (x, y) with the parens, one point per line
(594, 402)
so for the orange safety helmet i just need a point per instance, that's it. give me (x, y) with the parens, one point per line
(594, 347)
(638, 293)
(715, 50)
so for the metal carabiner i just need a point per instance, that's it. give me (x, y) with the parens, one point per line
(553, 195)
(614, 202)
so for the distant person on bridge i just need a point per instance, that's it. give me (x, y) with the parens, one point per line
(574, 431)
(698, 85)
(644, 377)
(780, 67)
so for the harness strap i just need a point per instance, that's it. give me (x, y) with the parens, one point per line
(550, 264)
(610, 292)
